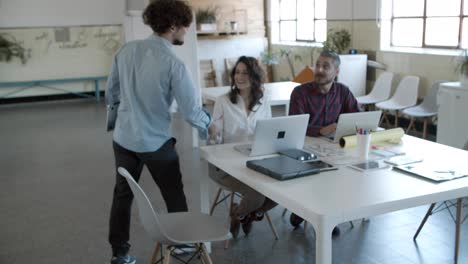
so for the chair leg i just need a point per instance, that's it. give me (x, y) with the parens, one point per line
(429, 212)
(215, 201)
(396, 118)
(273, 229)
(155, 253)
(232, 201)
(201, 256)
(425, 128)
(410, 125)
(385, 117)
(205, 254)
(226, 242)
(284, 212)
(457, 232)
(167, 255)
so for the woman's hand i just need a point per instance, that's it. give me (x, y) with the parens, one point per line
(214, 135)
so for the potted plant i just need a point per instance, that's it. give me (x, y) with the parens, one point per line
(462, 67)
(337, 41)
(287, 53)
(10, 48)
(269, 58)
(206, 19)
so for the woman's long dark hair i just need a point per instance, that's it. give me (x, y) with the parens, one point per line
(256, 77)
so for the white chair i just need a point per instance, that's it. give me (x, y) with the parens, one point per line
(426, 110)
(380, 92)
(176, 228)
(405, 96)
(208, 73)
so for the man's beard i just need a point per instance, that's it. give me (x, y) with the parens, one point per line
(178, 42)
(324, 82)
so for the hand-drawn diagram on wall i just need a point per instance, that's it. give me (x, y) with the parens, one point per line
(11, 48)
(62, 52)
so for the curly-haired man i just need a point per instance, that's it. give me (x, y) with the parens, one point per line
(146, 77)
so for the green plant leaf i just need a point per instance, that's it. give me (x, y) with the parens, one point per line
(206, 15)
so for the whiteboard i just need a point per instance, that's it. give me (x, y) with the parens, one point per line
(58, 53)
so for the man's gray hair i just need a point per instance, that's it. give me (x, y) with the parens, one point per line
(334, 56)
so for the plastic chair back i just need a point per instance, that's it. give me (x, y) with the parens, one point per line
(406, 93)
(429, 102)
(148, 216)
(382, 87)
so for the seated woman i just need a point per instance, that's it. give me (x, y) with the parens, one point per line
(235, 115)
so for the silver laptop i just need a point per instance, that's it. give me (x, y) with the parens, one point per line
(276, 134)
(347, 124)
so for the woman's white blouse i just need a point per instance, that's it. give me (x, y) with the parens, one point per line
(232, 119)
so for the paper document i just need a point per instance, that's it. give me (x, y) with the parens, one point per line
(435, 172)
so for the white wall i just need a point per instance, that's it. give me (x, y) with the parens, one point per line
(219, 49)
(33, 24)
(136, 4)
(40, 13)
(347, 9)
(339, 9)
(365, 9)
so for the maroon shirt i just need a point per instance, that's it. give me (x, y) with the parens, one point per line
(324, 109)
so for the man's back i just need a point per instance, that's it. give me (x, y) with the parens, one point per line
(149, 77)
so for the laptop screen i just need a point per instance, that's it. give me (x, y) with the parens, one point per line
(348, 122)
(277, 134)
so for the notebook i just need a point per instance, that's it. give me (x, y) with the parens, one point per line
(284, 168)
(276, 134)
(433, 172)
(348, 122)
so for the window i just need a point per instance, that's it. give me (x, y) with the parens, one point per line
(428, 23)
(298, 20)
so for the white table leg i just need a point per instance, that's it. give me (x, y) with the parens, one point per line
(323, 243)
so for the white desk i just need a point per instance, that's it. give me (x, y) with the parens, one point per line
(333, 197)
(278, 93)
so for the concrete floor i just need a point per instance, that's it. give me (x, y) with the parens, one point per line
(56, 183)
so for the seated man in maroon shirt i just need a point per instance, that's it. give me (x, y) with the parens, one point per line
(324, 99)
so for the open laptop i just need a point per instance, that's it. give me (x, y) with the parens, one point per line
(276, 134)
(347, 124)
(285, 168)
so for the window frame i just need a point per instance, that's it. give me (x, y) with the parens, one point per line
(424, 17)
(297, 41)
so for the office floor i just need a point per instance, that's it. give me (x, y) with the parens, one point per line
(56, 183)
